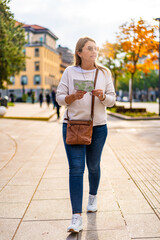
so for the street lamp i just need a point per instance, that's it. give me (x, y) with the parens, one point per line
(158, 19)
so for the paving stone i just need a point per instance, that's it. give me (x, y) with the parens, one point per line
(48, 230)
(3, 183)
(135, 206)
(51, 194)
(127, 192)
(24, 181)
(30, 172)
(148, 238)
(53, 183)
(49, 210)
(103, 221)
(50, 173)
(104, 235)
(7, 228)
(58, 165)
(12, 210)
(143, 225)
(17, 194)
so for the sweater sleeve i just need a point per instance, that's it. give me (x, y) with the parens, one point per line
(63, 90)
(109, 91)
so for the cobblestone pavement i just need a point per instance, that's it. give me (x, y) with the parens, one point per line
(30, 110)
(138, 150)
(34, 196)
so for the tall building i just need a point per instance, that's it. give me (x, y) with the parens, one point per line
(66, 57)
(42, 70)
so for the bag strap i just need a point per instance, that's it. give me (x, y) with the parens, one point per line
(93, 97)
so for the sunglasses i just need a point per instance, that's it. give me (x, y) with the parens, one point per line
(91, 49)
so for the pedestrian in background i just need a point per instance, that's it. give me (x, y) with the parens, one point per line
(57, 109)
(12, 97)
(48, 99)
(78, 104)
(41, 98)
(33, 97)
(54, 98)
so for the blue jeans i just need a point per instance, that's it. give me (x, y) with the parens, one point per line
(76, 155)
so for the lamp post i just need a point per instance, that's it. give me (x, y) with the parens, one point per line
(158, 19)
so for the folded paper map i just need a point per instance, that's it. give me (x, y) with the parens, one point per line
(82, 85)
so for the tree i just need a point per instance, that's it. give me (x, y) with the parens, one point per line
(137, 40)
(109, 56)
(12, 41)
(123, 81)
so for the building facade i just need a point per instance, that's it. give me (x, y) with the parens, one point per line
(42, 71)
(67, 57)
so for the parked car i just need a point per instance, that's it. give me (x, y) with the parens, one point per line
(125, 99)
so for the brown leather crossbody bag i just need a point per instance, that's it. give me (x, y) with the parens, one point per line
(80, 131)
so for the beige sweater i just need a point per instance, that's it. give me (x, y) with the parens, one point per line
(81, 109)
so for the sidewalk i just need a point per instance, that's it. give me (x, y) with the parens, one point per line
(34, 195)
(29, 111)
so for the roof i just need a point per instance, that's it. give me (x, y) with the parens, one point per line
(34, 26)
(37, 29)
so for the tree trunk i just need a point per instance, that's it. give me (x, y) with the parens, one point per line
(115, 82)
(131, 91)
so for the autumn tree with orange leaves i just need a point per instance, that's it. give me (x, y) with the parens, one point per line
(138, 40)
(109, 56)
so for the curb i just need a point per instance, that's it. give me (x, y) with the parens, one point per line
(120, 116)
(29, 118)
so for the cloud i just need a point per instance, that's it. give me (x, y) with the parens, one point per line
(71, 19)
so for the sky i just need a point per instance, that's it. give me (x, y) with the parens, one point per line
(71, 19)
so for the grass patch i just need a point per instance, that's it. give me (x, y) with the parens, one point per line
(141, 114)
(10, 104)
(133, 114)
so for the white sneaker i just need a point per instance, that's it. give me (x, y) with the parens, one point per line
(76, 223)
(92, 203)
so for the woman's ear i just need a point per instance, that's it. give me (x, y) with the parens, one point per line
(79, 54)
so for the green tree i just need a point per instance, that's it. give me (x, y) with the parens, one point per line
(12, 41)
(141, 81)
(110, 56)
(123, 81)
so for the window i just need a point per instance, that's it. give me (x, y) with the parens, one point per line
(37, 66)
(41, 39)
(36, 52)
(24, 80)
(24, 51)
(12, 79)
(37, 79)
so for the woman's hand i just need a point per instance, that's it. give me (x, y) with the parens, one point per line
(79, 94)
(99, 93)
(75, 96)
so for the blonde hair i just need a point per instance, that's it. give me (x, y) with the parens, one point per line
(80, 44)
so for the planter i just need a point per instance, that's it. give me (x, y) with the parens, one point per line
(132, 110)
(122, 109)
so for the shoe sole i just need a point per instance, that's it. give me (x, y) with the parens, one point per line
(74, 231)
(89, 211)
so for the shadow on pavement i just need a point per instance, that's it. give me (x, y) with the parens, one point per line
(90, 233)
(72, 236)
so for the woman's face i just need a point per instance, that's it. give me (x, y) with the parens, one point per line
(89, 52)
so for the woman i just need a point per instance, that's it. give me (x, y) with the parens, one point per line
(79, 108)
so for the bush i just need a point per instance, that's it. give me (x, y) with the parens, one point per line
(24, 97)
